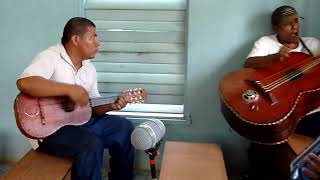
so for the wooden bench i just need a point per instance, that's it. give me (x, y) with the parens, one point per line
(189, 161)
(39, 166)
(299, 142)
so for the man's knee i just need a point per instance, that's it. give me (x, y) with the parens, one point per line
(92, 152)
(128, 125)
(94, 143)
(123, 123)
(90, 143)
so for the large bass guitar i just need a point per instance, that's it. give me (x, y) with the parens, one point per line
(265, 105)
(38, 118)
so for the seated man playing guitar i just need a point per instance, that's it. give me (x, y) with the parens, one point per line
(272, 161)
(65, 71)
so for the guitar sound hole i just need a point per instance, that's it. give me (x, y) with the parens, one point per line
(68, 105)
(31, 111)
(293, 74)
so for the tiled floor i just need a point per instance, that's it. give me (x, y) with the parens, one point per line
(139, 175)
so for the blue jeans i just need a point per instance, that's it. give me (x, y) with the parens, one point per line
(85, 145)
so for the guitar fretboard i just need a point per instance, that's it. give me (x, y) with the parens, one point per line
(98, 101)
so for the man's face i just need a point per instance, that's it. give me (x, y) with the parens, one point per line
(288, 31)
(89, 43)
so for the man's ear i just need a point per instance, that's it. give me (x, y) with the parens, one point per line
(75, 40)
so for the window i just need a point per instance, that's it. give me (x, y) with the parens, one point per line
(142, 44)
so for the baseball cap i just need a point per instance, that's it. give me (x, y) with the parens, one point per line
(284, 13)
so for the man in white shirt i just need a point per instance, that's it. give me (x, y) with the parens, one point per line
(64, 70)
(272, 161)
(268, 50)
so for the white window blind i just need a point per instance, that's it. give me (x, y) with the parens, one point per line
(142, 44)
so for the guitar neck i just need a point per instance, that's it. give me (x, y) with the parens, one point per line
(98, 101)
(137, 95)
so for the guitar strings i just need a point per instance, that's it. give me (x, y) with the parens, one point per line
(291, 75)
(102, 100)
(281, 79)
(280, 73)
(295, 73)
(136, 96)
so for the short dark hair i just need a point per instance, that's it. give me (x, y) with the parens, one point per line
(283, 12)
(75, 26)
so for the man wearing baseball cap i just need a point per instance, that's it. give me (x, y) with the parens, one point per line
(270, 49)
(284, 14)
(272, 161)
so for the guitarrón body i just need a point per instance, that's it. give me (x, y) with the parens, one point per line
(265, 105)
(38, 118)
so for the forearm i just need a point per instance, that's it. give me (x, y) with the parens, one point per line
(117, 105)
(101, 110)
(261, 61)
(40, 87)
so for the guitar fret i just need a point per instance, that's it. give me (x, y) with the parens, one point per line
(102, 100)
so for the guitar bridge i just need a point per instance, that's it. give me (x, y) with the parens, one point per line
(263, 92)
(43, 121)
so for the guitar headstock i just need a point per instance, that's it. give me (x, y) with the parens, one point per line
(137, 95)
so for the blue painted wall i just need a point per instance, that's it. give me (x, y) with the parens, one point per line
(221, 34)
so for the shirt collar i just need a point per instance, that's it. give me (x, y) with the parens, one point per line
(63, 54)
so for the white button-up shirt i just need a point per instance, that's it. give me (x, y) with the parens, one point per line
(54, 64)
(267, 45)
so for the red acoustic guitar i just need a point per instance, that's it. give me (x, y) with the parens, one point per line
(38, 118)
(266, 104)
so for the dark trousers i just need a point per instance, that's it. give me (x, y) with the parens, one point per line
(86, 143)
(273, 161)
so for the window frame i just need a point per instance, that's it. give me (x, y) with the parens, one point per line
(173, 117)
